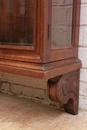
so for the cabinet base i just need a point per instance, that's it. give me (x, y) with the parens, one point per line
(64, 89)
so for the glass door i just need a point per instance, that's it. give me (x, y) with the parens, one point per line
(17, 22)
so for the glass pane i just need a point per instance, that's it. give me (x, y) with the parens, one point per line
(17, 22)
(61, 22)
(5, 21)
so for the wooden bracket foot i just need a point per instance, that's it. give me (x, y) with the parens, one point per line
(64, 89)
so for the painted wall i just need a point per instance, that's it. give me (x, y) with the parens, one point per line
(83, 54)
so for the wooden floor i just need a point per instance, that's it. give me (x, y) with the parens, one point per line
(23, 114)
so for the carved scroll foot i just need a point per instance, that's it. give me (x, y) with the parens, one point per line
(64, 89)
(71, 107)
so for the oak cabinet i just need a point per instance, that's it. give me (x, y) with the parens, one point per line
(39, 38)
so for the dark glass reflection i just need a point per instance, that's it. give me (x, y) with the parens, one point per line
(61, 22)
(17, 21)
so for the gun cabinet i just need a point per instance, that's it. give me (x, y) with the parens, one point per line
(39, 39)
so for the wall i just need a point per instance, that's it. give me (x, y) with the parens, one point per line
(83, 54)
(36, 89)
(25, 87)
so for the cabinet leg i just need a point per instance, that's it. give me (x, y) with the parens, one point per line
(64, 89)
(71, 106)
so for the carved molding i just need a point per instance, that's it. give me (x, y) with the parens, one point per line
(64, 89)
